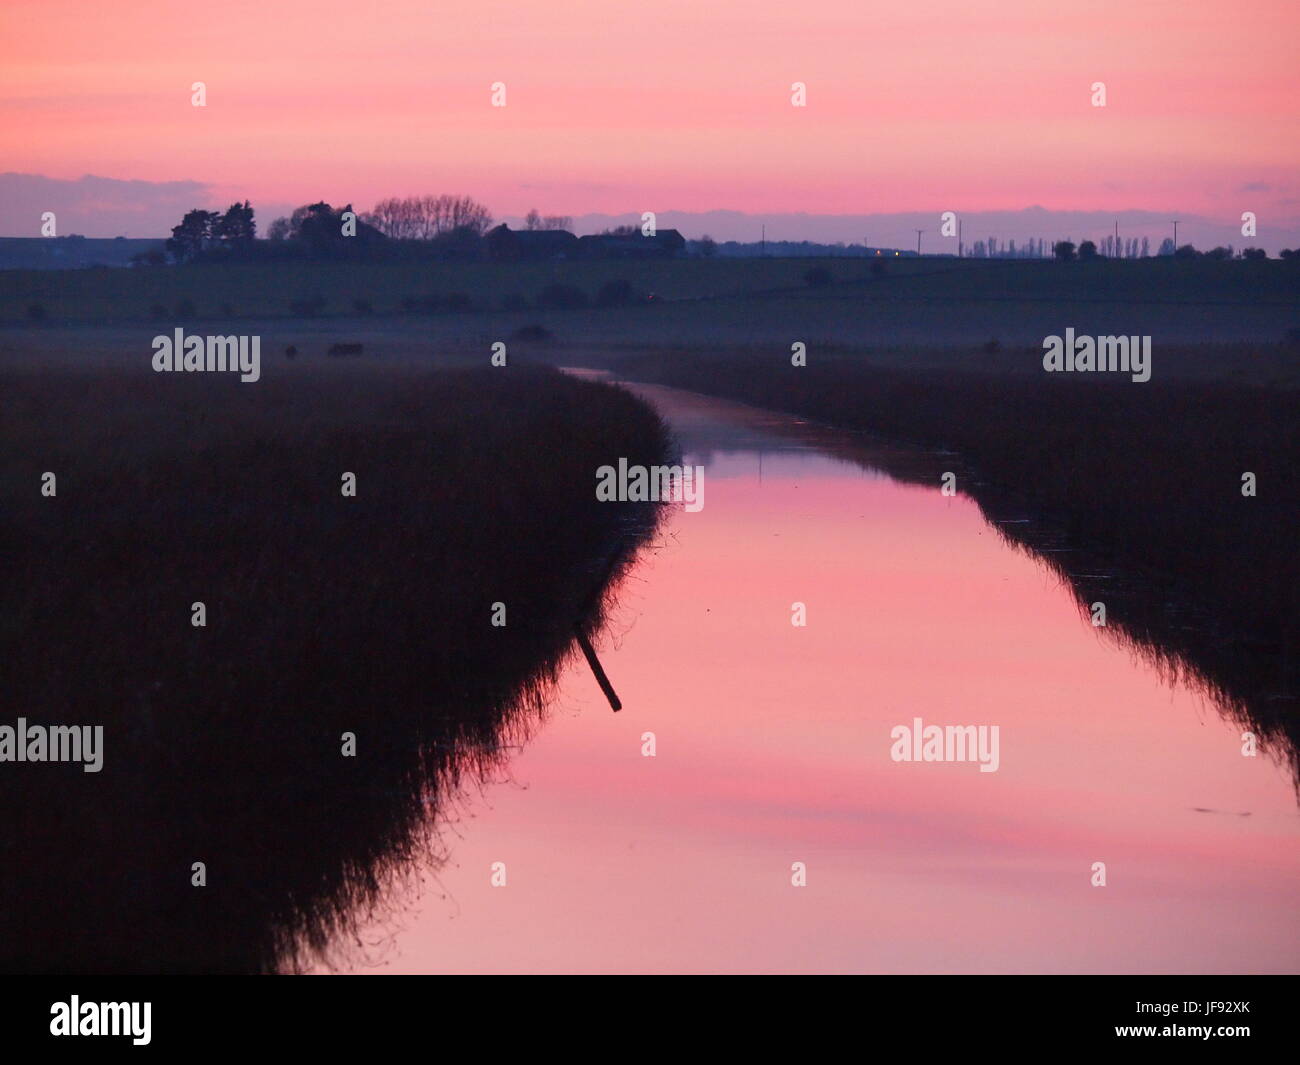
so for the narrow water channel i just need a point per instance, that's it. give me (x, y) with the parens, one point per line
(773, 746)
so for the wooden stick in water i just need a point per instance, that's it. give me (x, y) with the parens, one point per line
(596, 669)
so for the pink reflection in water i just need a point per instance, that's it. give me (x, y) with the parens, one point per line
(773, 747)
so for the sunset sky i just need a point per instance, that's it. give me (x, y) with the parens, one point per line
(676, 105)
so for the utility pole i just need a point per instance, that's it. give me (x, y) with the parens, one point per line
(1176, 221)
(918, 240)
(960, 253)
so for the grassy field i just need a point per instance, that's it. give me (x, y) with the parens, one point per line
(988, 297)
(325, 615)
(267, 289)
(466, 340)
(1234, 320)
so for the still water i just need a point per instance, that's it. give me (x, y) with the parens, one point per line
(773, 747)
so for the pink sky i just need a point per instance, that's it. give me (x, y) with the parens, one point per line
(932, 104)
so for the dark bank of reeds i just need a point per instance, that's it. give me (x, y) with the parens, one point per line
(1131, 491)
(325, 615)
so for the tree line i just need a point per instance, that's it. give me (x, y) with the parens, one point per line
(439, 226)
(453, 227)
(1066, 251)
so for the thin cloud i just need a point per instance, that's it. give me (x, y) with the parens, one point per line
(96, 206)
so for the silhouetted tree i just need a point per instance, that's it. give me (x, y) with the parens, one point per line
(397, 218)
(534, 221)
(458, 212)
(319, 229)
(317, 225)
(1087, 250)
(236, 228)
(193, 235)
(427, 217)
(1063, 250)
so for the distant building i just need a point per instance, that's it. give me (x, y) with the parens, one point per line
(665, 244)
(530, 245)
